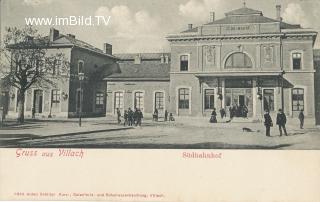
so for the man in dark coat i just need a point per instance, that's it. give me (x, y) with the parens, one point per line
(130, 117)
(139, 117)
(213, 118)
(267, 122)
(125, 117)
(281, 122)
(118, 115)
(301, 118)
(165, 115)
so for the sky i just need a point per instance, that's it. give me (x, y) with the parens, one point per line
(142, 25)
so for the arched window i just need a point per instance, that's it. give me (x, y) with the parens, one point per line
(238, 60)
(80, 66)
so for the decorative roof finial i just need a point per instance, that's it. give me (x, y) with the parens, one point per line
(244, 3)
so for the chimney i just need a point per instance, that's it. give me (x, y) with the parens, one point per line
(137, 59)
(162, 59)
(278, 9)
(212, 17)
(189, 26)
(107, 48)
(166, 59)
(54, 34)
(71, 36)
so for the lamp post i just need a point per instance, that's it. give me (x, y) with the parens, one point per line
(282, 95)
(81, 77)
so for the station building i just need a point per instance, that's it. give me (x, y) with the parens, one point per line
(244, 60)
(64, 98)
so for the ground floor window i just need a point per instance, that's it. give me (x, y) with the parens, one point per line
(159, 100)
(139, 100)
(99, 100)
(184, 98)
(297, 99)
(209, 98)
(55, 96)
(268, 99)
(118, 101)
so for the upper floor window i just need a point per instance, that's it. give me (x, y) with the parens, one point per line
(296, 60)
(80, 67)
(184, 63)
(238, 60)
(56, 67)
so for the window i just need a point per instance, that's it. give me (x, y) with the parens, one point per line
(80, 67)
(238, 60)
(55, 96)
(159, 100)
(268, 99)
(184, 63)
(209, 99)
(56, 68)
(296, 60)
(118, 101)
(138, 100)
(297, 99)
(99, 99)
(183, 98)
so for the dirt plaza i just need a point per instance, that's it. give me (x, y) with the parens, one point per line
(184, 133)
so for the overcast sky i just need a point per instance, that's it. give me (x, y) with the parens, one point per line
(141, 25)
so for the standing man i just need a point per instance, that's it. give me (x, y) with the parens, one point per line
(267, 122)
(130, 117)
(139, 117)
(125, 117)
(165, 115)
(118, 115)
(281, 122)
(301, 118)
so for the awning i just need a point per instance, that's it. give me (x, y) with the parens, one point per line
(273, 75)
(239, 74)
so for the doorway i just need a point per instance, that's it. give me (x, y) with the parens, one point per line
(38, 101)
(241, 100)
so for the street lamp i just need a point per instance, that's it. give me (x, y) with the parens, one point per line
(282, 96)
(81, 77)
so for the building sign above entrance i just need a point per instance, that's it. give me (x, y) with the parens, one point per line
(239, 29)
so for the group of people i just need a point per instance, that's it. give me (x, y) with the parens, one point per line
(238, 111)
(281, 121)
(135, 117)
(130, 117)
(155, 116)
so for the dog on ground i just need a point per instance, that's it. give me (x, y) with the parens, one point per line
(244, 129)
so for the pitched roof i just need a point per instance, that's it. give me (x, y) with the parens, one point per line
(244, 11)
(144, 56)
(147, 70)
(65, 39)
(243, 16)
(243, 19)
(62, 41)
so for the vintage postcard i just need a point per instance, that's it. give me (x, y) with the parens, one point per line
(160, 100)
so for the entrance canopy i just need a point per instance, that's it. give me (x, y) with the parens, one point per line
(263, 78)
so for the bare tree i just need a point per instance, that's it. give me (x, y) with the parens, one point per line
(28, 63)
